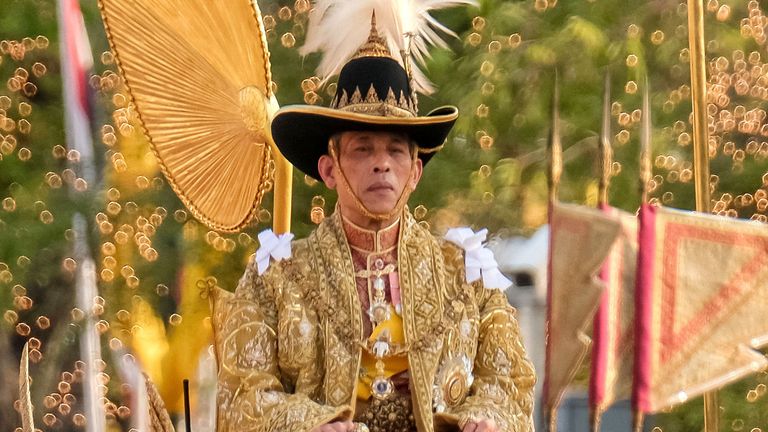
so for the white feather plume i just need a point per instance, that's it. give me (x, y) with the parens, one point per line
(339, 27)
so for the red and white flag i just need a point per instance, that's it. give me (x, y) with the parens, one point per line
(702, 297)
(76, 62)
(613, 329)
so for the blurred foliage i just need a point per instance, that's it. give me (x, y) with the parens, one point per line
(154, 261)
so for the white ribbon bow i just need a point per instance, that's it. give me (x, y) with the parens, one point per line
(478, 259)
(277, 247)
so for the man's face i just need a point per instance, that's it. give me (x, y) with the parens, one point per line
(378, 167)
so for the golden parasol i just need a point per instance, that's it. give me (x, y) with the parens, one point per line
(198, 74)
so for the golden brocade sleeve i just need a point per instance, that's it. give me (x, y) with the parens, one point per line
(504, 378)
(263, 385)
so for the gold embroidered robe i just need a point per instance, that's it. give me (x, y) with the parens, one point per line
(288, 341)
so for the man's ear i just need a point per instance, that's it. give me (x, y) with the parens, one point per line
(325, 168)
(417, 173)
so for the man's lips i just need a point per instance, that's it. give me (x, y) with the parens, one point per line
(380, 186)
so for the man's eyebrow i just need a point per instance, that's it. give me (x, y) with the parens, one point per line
(362, 136)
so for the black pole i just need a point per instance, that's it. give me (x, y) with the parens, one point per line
(187, 419)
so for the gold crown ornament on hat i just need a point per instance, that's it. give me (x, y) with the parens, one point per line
(377, 81)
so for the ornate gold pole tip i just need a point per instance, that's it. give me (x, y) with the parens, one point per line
(604, 142)
(554, 145)
(646, 146)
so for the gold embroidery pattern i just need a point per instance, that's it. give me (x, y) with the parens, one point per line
(425, 305)
(392, 414)
(288, 341)
(503, 376)
(337, 291)
(251, 393)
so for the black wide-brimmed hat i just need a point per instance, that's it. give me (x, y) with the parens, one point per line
(374, 93)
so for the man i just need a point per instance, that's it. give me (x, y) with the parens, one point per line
(371, 323)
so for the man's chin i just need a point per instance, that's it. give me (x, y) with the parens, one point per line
(381, 210)
(379, 207)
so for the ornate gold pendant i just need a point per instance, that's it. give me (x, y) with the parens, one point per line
(382, 387)
(379, 310)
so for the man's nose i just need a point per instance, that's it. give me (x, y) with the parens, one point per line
(382, 162)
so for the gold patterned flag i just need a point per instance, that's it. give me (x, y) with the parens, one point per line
(613, 329)
(580, 238)
(701, 304)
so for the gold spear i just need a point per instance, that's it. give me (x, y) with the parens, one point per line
(604, 143)
(555, 149)
(646, 145)
(700, 151)
(25, 399)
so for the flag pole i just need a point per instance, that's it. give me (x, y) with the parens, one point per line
(646, 151)
(554, 172)
(699, 102)
(606, 162)
(700, 151)
(76, 60)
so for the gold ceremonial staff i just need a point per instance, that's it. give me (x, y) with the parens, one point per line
(701, 151)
